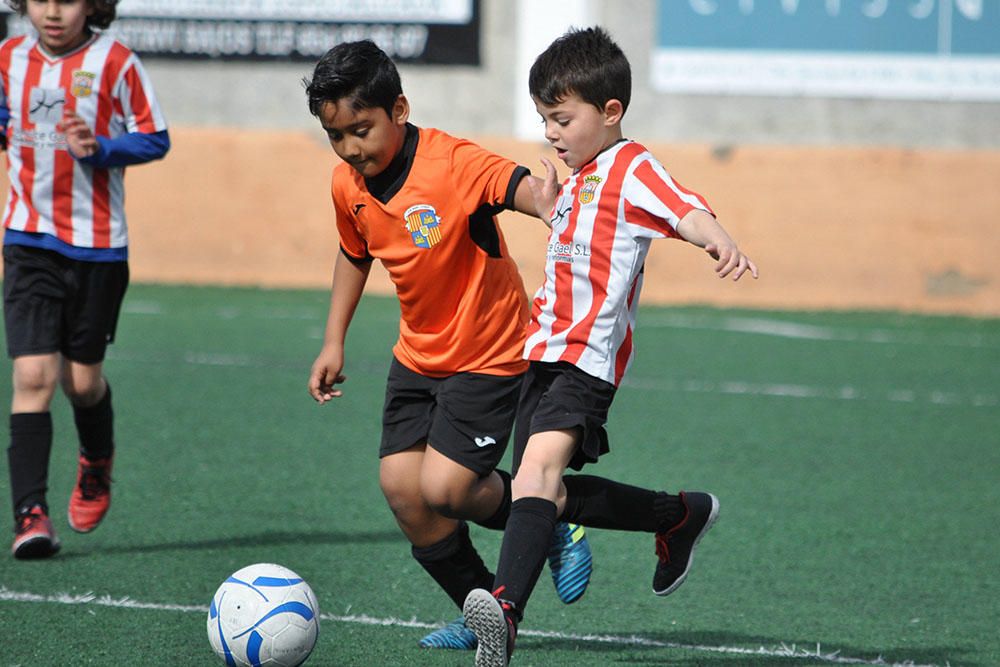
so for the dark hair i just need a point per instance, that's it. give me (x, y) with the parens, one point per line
(585, 62)
(104, 11)
(357, 70)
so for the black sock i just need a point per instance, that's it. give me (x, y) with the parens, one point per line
(95, 428)
(28, 458)
(526, 542)
(455, 565)
(597, 502)
(499, 518)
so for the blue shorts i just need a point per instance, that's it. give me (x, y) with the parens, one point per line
(467, 417)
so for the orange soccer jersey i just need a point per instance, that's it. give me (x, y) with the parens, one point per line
(462, 302)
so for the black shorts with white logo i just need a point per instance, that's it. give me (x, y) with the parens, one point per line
(53, 303)
(558, 396)
(467, 417)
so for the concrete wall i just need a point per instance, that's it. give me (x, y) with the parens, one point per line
(481, 100)
(844, 204)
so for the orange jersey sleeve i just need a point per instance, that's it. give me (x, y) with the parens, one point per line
(462, 302)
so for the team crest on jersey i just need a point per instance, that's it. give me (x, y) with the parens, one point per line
(424, 225)
(83, 83)
(590, 184)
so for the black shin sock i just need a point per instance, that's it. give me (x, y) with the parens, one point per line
(455, 565)
(95, 428)
(597, 502)
(525, 545)
(28, 457)
(499, 518)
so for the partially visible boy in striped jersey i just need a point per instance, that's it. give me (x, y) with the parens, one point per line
(579, 340)
(76, 107)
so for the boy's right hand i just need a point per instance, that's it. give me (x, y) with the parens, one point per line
(545, 191)
(325, 373)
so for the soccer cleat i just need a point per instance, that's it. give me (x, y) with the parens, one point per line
(570, 561)
(91, 496)
(455, 635)
(490, 620)
(33, 534)
(676, 546)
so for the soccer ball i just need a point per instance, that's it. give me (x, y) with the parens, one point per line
(263, 614)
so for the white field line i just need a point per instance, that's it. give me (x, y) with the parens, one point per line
(734, 324)
(785, 329)
(762, 326)
(781, 651)
(844, 393)
(727, 387)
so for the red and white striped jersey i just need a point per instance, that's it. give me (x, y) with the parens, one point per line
(604, 219)
(50, 192)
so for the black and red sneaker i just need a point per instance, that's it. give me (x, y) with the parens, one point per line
(33, 534)
(91, 496)
(494, 622)
(675, 547)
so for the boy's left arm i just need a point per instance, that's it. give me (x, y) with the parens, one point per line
(703, 230)
(104, 152)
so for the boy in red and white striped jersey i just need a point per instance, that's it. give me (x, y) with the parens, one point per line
(579, 340)
(76, 107)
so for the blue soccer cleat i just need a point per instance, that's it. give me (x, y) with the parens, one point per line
(454, 635)
(570, 561)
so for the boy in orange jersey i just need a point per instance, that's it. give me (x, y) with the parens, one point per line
(424, 203)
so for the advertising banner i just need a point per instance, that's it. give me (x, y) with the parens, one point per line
(916, 49)
(442, 32)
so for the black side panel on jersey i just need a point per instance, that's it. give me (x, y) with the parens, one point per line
(483, 229)
(483, 226)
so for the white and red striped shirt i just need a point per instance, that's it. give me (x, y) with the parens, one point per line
(604, 219)
(51, 193)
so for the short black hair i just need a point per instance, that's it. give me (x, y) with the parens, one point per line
(104, 11)
(357, 70)
(585, 62)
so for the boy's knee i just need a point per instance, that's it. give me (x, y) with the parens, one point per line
(401, 496)
(444, 499)
(34, 379)
(83, 393)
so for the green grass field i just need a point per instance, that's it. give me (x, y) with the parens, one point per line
(855, 455)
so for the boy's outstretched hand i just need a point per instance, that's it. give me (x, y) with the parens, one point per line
(545, 191)
(325, 373)
(730, 260)
(702, 229)
(79, 137)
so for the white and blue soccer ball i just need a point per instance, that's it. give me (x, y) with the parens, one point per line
(263, 615)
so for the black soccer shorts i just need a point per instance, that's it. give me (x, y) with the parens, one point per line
(558, 396)
(467, 417)
(52, 303)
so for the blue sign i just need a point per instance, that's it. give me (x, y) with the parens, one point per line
(943, 49)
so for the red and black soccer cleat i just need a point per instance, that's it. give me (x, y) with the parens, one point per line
(92, 495)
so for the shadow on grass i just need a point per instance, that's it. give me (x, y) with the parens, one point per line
(724, 648)
(266, 539)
